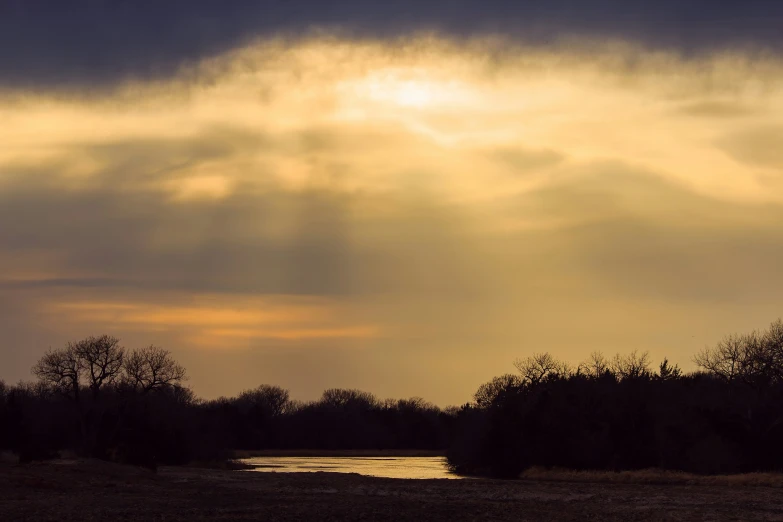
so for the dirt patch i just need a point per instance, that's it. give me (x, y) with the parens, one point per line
(91, 490)
(7, 458)
(654, 476)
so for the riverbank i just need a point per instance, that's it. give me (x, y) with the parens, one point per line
(92, 490)
(245, 454)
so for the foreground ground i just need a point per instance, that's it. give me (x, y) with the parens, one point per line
(102, 491)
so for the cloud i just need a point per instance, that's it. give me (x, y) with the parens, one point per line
(716, 109)
(523, 160)
(45, 43)
(403, 219)
(758, 146)
(221, 321)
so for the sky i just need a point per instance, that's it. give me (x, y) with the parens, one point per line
(401, 197)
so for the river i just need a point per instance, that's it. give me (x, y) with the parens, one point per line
(389, 467)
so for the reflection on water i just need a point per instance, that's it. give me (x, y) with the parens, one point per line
(390, 467)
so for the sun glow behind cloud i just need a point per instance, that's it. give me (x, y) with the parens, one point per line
(432, 196)
(442, 101)
(215, 322)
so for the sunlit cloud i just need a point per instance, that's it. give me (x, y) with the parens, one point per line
(417, 199)
(219, 322)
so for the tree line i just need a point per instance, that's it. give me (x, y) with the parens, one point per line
(100, 400)
(620, 414)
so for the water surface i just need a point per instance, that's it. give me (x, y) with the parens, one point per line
(389, 467)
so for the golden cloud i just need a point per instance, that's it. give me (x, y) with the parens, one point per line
(436, 194)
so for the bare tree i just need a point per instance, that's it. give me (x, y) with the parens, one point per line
(596, 366)
(270, 400)
(62, 370)
(631, 366)
(341, 398)
(153, 368)
(101, 358)
(755, 359)
(388, 404)
(295, 405)
(490, 391)
(771, 351)
(541, 366)
(727, 360)
(416, 404)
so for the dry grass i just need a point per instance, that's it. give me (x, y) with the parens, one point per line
(6, 457)
(79, 490)
(225, 464)
(653, 476)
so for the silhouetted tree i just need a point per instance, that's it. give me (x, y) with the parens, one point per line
(340, 398)
(100, 358)
(272, 401)
(618, 414)
(489, 392)
(541, 366)
(667, 372)
(607, 414)
(152, 368)
(62, 370)
(259, 410)
(773, 350)
(728, 359)
(596, 366)
(631, 366)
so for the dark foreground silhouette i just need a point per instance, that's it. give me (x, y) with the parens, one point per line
(98, 400)
(96, 490)
(101, 401)
(619, 415)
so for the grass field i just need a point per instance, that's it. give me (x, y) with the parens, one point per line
(92, 490)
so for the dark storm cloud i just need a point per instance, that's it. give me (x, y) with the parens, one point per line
(92, 42)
